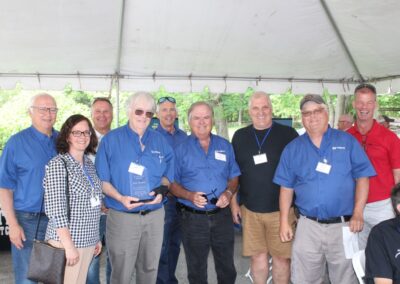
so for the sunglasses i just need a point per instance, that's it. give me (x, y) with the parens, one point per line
(164, 99)
(148, 114)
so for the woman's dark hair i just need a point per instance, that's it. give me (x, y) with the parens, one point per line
(62, 144)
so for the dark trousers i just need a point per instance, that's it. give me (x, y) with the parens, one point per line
(171, 244)
(199, 234)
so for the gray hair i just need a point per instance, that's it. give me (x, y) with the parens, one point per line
(201, 103)
(347, 117)
(33, 99)
(260, 94)
(140, 95)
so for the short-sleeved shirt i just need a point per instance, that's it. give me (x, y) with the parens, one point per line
(208, 172)
(173, 139)
(120, 149)
(83, 185)
(383, 251)
(319, 194)
(22, 166)
(383, 150)
(257, 191)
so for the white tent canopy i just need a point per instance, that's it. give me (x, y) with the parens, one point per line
(184, 45)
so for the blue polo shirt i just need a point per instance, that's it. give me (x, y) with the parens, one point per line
(22, 167)
(209, 173)
(173, 139)
(119, 149)
(319, 194)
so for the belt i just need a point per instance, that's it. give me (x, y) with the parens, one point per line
(195, 211)
(334, 220)
(141, 212)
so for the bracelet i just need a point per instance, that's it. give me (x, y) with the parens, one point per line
(230, 192)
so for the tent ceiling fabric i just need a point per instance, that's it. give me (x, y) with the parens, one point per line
(185, 45)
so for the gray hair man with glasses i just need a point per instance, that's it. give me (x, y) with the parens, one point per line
(327, 171)
(345, 122)
(22, 168)
(135, 164)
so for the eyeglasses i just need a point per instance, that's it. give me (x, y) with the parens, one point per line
(164, 99)
(148, 114)
(317, 111)
(77, 133)
(44, 110)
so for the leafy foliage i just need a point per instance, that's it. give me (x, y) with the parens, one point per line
(230, 109)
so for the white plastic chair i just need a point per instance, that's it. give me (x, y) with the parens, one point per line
(359, 265)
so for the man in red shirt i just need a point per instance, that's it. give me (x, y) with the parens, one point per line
(383, 149)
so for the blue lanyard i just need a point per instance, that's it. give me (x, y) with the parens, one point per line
(263, 140)
(88, 176)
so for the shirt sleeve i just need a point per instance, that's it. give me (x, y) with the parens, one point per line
(395, 152)
(55, 199)
(102, 161)
(284, 174)
(361, 166)
(8, 171)
(234, 170)
(170, 160)
(377, 259)
(177, 168)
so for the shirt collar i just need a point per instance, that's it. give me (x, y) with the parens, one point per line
(326, 138)
(374, 128)
(135, 135)
(41, 136)
(162, 129)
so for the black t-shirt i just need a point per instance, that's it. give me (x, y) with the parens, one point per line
(383, 251)
(257, 191)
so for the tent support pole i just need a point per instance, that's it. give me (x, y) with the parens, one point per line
(341, 39)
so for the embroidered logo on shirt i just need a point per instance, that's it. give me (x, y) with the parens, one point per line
(338, 148)
(161, 157)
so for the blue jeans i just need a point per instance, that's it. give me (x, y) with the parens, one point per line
(20, 258)
(171, 244)
(93, 276)
(202, 232)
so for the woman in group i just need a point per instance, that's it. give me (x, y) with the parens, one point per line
(76, 229)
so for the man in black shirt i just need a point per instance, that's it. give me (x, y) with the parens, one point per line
(258, 148)
(383, 247)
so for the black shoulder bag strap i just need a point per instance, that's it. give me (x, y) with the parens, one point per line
(66, 194)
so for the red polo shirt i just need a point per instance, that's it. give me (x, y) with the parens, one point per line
(383, 150)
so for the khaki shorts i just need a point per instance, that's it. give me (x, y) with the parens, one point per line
(261, 233)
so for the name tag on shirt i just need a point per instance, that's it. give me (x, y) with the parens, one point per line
(94, 201)
(260, 159)
(220, 156)
(323, 168)
(136, 169)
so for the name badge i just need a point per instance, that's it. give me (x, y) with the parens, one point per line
(323, 168)
(136, 169)
(260, 159)
(94, 201)
(220, 156)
